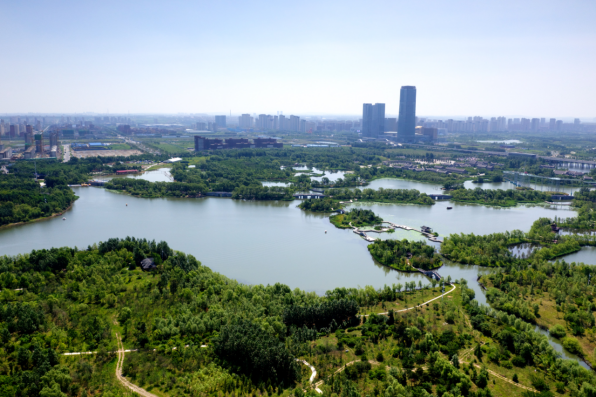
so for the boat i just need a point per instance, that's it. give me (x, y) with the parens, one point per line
(63, 219)
(449, 208)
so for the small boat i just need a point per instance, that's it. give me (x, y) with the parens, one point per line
(325, 231)
(127, 204)
(449, 208)
(63, 219)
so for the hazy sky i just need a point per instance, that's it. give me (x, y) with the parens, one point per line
(490, 58)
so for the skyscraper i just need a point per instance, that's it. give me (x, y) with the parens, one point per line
(406, 124)
(220, 121)
(373, 120)
(366, 119)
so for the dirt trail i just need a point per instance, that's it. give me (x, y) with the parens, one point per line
(122, 379)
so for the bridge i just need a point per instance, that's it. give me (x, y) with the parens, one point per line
(430, 273)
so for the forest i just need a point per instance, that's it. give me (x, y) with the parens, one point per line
(406, 196)
(405, 255)
(200, 333)
(356, 217)
(494, 249)
(22, 199)
(502, 198)
(557, 296)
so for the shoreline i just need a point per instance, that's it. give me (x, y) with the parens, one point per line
(45, 218)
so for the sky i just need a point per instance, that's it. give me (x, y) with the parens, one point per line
(488, 58)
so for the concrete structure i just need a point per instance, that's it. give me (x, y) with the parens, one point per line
(202, 143)
(522, 155)
(53, 151)
(373, 120)
(29, 153)
(390, 124)
(406, 124)
(220, 121)
(39, 145)
(428, 133)
(6, 153)
(245, 121)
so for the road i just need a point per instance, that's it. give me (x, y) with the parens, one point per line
(66, 153)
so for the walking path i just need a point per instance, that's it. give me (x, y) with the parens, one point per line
(144, 393)
(122, 379)
(423, 303)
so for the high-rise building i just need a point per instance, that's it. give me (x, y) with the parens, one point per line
(303, 126)
(294, 123)
(281, 123)
(373, 120)
(39, 144)
(245, 121)
(263, 122)
(535, 124)
(367, 111)
(14, 131)
(391, 124)
(54, 138)
(406, 124)
(2, 127)
(552, 124)
(576, 122)
(220, 121)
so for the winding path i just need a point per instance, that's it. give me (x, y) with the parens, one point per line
(122, 379)
(142, 392)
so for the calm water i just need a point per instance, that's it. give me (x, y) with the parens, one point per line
(258, 242)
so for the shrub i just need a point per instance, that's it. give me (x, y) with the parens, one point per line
(515, 378)
(572, 345)
(506, 364)
(557, 331)
(518, 361)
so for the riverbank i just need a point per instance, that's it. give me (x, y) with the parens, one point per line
(45, 218)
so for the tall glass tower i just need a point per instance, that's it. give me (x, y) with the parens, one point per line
(406, 124)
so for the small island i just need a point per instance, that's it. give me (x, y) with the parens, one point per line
(404, 255)
(355, 218)
(319, 205)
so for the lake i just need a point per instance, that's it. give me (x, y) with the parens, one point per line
(259, 242)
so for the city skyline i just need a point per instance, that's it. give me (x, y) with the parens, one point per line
(532, 59)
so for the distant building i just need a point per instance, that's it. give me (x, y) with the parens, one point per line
(427, 133)
(202, 143)
(390, 124)
(406, 123)
(123, 128)
(220, 121)
(245, 121)
(373, 120)
(39, 146)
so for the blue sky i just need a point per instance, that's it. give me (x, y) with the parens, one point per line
(490, 58)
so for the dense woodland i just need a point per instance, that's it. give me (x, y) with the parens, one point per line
(64, 300)
(555, 295)
(503, 198)
(405, 255)
(406, 196)
(24, 200)
(494, 249)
